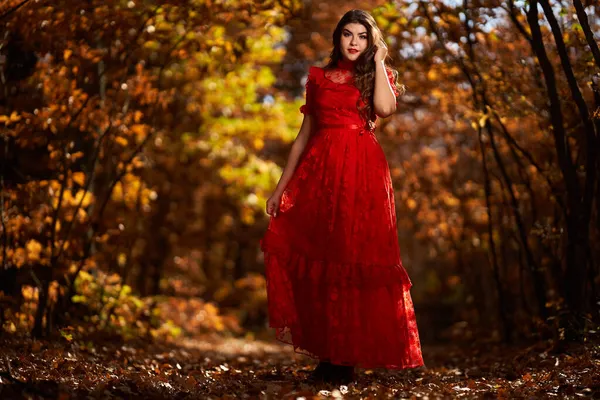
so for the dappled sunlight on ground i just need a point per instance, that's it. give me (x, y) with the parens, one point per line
(227, 368)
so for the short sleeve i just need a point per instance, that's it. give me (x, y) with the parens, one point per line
(308, 107)
(390, 76)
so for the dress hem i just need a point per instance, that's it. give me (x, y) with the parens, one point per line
(364, 365)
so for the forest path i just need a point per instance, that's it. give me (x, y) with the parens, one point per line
(237, 368)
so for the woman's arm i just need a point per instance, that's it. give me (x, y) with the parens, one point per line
(295, 153)
(384, 100)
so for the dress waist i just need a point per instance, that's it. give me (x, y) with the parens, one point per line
(344, 126)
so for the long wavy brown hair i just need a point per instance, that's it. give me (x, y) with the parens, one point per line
(364, 78)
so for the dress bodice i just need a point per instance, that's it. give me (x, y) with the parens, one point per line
(332, 98)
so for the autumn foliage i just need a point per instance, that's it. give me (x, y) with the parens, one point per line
(139, 142)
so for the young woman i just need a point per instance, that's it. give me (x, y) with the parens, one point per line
(337, 289)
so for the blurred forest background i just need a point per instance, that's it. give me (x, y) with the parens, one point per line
(139, 141)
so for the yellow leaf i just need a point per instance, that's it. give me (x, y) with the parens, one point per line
(67, 54)
(121, 140)
(211, 309)
(34, 248)
(81, 215)
(140, 130)
(29, 292)
(258, 143)
(451, 201)
(117, 194)
(14, 117)
(483, 119)
(79, 178)
(83, 197)
(218, 325)
(67, 336)
(76, 155)
(19, 257)
(437, 93)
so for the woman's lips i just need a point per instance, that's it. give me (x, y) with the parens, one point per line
(353, 51)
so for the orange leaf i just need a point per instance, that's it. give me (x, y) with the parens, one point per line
(140, 130)
(79, 178)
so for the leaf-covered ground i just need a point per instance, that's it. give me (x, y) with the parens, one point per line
(218, 368)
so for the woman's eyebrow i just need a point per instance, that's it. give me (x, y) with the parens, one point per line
(361, 33)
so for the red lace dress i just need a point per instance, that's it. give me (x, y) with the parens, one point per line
(336, 286)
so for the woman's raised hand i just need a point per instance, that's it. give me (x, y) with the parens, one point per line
(381, 52)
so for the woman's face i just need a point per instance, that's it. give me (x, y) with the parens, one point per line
(354, 40)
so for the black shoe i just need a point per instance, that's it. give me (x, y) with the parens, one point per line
(322, 373)
(341, 374)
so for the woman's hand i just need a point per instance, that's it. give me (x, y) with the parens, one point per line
(273, 204)
(381, 52)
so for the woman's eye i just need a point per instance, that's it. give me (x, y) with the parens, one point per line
(346, 34)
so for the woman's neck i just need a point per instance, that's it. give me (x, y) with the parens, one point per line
(344, 63)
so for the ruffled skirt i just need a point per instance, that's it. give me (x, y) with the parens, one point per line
(336, 286)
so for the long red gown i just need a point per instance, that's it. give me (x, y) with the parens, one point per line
(337, 290)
